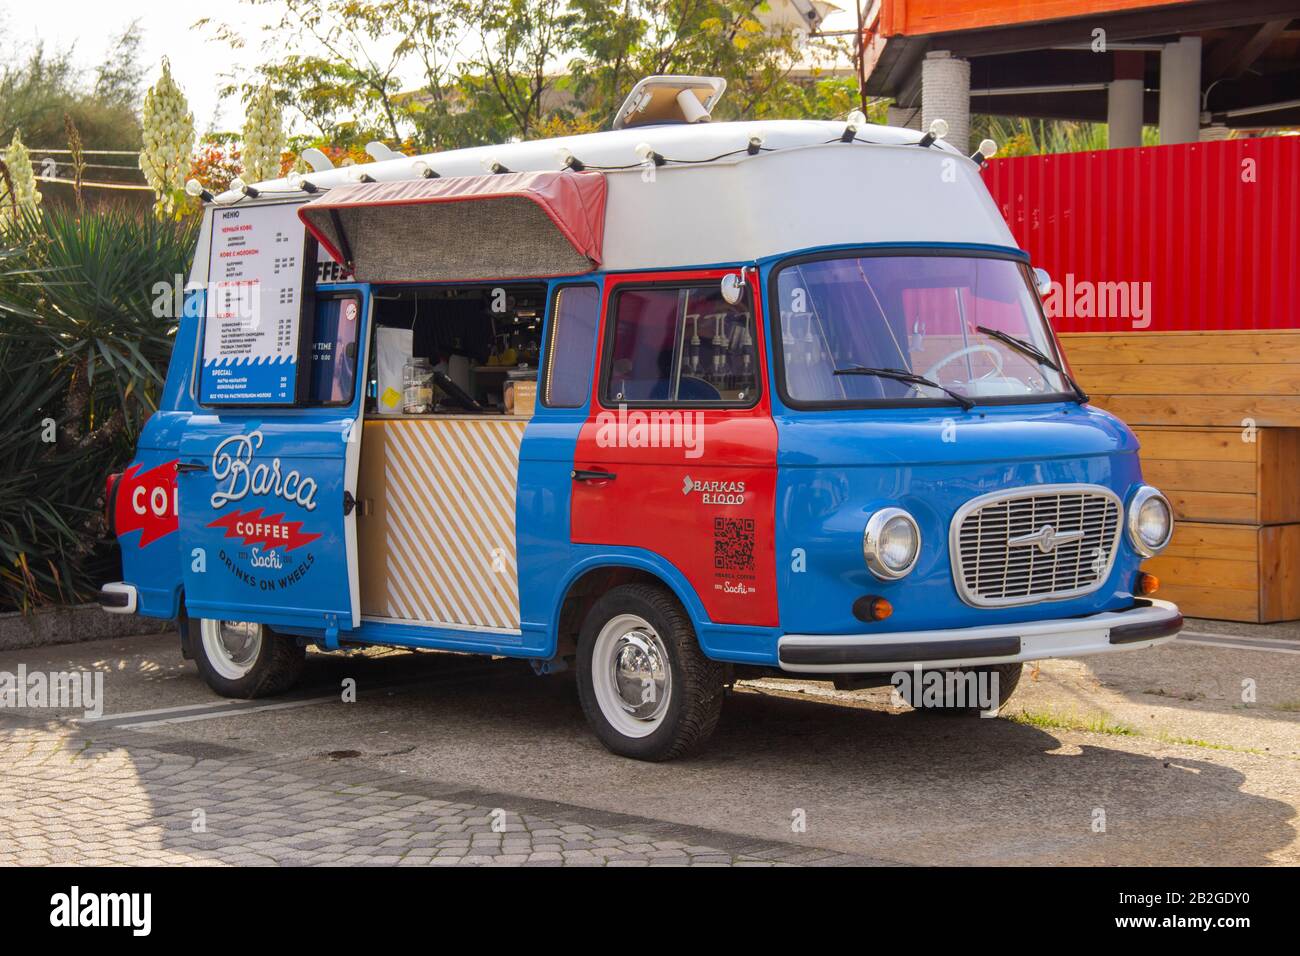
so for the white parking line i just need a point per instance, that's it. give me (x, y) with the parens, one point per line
(162, 710)
(228, 712)
(1269, 645)
(187, 713)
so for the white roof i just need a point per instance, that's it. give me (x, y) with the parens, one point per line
(806, 189)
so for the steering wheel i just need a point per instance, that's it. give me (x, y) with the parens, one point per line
(961, 353)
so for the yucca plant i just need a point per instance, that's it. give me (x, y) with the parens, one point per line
(82, 361)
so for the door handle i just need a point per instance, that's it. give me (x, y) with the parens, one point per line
(580, 474)
(185, 467)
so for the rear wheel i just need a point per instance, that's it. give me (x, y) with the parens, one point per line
(244, 659)
(964, 690)
(646, 688)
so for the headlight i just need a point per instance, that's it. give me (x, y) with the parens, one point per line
(1150, 521)
(891, 544)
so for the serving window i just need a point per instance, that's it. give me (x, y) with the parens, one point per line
(446, 350)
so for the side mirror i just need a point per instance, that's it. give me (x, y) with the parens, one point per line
(1042, 281)
(733, 287)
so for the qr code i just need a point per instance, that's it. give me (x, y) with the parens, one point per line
(733, 544)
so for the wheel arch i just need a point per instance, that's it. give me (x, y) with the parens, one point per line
(595, 575)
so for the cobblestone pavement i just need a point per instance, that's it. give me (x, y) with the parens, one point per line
(132, 799)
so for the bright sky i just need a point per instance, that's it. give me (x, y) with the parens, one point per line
(89, 26)
(198, 62)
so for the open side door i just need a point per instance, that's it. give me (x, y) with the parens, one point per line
(267, 494)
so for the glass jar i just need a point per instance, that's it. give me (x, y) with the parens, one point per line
(417, 386)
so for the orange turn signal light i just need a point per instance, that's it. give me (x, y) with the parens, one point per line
(871, 607)
(1147, 583)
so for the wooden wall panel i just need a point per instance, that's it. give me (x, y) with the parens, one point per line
(1191, 379)
(1181, 348)
(1263, 411)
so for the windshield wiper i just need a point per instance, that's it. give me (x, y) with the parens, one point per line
(911, 378)
(1020, 345)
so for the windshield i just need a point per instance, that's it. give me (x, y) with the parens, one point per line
(933, 316)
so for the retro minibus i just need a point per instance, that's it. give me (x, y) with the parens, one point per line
(670, 404)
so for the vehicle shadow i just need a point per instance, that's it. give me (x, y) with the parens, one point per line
(942, 788)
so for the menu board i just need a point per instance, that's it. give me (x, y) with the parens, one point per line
(254, 301)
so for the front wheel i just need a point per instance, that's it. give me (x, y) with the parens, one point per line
(245, 660)
(646, 688)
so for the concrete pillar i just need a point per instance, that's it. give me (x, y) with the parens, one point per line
(908, 117)
(945, 94)
(1124, 100)
(1180, 91)
(1124, 113)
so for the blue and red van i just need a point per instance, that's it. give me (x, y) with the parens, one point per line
(708, 399)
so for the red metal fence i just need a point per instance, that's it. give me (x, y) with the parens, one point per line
(1201, 236)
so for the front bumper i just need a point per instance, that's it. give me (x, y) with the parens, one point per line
(1150, 623)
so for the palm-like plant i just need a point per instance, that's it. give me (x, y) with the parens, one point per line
(82, 360)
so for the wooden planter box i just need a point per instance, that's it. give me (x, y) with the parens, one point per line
(1232, 572)
(1218, 415)
(1236, 549)
(1216, 475)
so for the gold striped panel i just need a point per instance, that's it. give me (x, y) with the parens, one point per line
(436, 534)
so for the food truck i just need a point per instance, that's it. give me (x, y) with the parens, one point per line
(669, 404)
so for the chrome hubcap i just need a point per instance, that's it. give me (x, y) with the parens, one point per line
(640, 674)
(240, 640)
(631, 675)
(231, 646)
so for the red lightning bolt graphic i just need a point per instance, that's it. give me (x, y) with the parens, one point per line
(290, 538)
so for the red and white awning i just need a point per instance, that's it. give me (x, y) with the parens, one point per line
(467, 228)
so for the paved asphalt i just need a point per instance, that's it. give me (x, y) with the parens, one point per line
(1184, 754)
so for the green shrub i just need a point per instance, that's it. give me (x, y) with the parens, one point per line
(82, 361)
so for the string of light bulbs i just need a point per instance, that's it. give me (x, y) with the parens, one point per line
(649, 157)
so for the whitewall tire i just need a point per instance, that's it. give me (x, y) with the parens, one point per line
(646, 688)
(244, 659)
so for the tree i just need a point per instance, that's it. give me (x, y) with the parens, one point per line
(119, 77)
(498, 70)
(726, 38)
(40, 86)
(337, 61)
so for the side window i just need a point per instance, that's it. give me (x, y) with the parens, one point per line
(680, 345)
(570, 346)
(333, 357)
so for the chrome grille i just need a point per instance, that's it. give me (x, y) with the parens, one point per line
(1020, 547)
